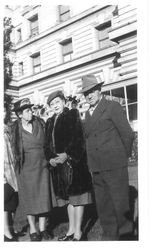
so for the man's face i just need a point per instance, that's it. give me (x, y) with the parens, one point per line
(92, 96)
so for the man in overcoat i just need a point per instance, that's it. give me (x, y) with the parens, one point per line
(109, 139)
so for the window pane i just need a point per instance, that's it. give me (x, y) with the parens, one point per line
(67, 48)
(34, 31)
(67, 58)
(105, 43)
(132, 93)
(103, 34)
(34, 24)
(118, 95)
(64, 12)
(64, 17)
(37, 69)
(21, 70)
(132, 111)
(36, 60)
(19, 35)
(107, 95)
(63, 8)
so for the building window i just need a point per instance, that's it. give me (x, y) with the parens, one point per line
(64, 13)
(21, 69)
(103, 35)
(118, 95)
(127, 97)
(132, 101)
(67, 50)
(19, 36)
(36, 60)
(34, 27)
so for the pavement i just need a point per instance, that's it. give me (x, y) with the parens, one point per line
(58, 220)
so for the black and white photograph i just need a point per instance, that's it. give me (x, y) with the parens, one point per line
(71, 123)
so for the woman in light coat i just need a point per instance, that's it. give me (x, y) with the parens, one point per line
(31, 169)
(10, 181)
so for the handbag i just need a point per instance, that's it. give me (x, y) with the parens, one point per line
(62, 176)
(66, 172)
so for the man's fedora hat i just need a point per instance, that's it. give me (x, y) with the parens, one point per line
(53, 95)
(22, 104)
(89, 82)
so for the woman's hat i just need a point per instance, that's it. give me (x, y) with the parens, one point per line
(53, 95)
(89, 82)
(22, 104)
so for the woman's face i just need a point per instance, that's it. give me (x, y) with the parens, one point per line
(57, 105)
(5, 113)
(26, 115)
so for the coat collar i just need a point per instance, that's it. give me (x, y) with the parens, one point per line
(91, 120)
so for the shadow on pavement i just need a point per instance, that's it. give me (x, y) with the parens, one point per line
(90, 226)
(59, 216)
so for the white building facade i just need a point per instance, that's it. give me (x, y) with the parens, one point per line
(54, 46)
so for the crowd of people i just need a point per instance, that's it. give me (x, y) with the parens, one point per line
(60, 161)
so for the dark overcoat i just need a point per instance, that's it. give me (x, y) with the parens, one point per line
(109, 137)
(69, 138)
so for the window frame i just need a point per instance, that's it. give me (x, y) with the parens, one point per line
(62, 14)
(21, 69)
(127, 104)
(19, 35)
(34, 31)
(99, 28)
(34, 66)
(69, 53)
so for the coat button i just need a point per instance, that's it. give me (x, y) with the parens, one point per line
(96, 149)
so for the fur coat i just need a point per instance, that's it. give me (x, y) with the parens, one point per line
(69, 138)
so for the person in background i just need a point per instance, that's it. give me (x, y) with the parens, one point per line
(74, 104)
(109, 139)
(43, 114)
(10, 181)
(31, 169)
(64, 139)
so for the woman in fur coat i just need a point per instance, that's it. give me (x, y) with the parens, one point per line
(64, 139)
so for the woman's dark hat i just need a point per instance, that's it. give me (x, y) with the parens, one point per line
(22, 104)
(53, 95)
(89, 82)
